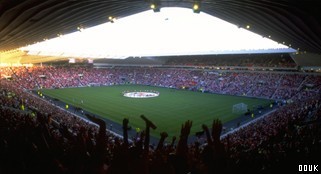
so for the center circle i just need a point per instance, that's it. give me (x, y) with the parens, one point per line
(144, 94)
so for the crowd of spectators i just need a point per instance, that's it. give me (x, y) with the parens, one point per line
(276, 60)
(38, 137)
(310, 87)
(283, 139)
(264, 84)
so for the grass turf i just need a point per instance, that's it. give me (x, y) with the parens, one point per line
(168, 111)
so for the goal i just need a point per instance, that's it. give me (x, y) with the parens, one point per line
(240, 107)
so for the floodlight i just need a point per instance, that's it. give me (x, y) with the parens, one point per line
(112, 19)
(155, 5)
(197, 7)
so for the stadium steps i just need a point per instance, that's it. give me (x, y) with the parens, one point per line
(80, 83)
(300, 87)
(32, 78)
(16, 77)
(303, 82)
(57, 79)
(277, 87)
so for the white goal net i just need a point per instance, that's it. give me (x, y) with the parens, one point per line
(240, 107)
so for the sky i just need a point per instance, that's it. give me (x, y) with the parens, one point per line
(172, 31)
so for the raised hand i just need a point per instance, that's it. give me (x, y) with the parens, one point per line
(148, 122)
(173, 141)
(125, 131)
(163, 135)
(205, 128)
(207, 133)
(100, 122)
(186, 128)
(216, 130)
(182, 143)
(125, 123)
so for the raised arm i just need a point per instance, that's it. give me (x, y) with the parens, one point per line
(207, 133)
(125, 131)
(216, 131)
(173, 141)
(149, 125)
(163, 135)
(182, 143)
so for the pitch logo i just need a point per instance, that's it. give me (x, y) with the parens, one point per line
(308, 168)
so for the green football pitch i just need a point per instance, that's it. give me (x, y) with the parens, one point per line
(167, 111)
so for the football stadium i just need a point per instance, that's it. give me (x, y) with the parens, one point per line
(160, 86)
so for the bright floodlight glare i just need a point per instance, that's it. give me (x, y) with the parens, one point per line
(195, 6)
(170, 29)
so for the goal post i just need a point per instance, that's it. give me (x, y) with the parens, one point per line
(240, 107)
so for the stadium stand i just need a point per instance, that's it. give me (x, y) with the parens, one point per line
(241, 60)
(38, 137)
(264, 84)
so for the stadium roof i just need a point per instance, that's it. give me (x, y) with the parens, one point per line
(295, 23)
(173, 31)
